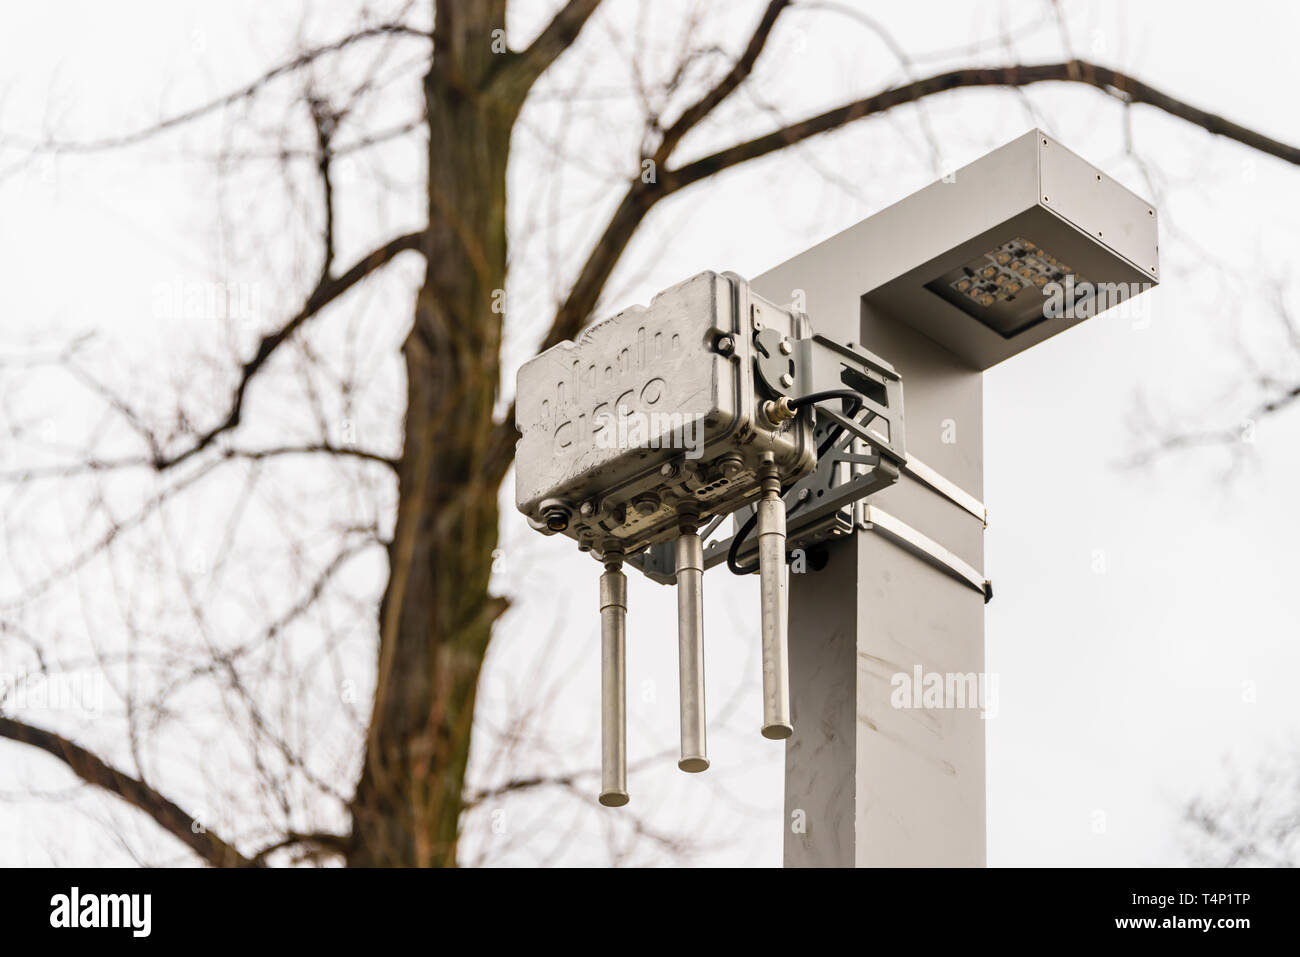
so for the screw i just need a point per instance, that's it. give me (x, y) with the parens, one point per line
(726, 345)
(786, 347)
(787, 380)
(588, 508)
(731, 467)
(668, 470)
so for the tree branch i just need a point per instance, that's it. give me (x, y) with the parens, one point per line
(1226, 436)
(326, 121)
(320, 842)
(517, 73)
(94, 771)
(94, 466)
(1119, 85)
(243, 93)
(697, 111)
(327, 290)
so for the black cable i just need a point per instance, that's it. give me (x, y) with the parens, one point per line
(733, 564)
(814, 397)
(836, 432)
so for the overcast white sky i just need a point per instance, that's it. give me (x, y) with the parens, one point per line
(1145, 621)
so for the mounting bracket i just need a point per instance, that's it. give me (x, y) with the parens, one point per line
(860, 452)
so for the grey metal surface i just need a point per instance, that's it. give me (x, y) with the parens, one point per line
(915, 468)
(690, 651)
(878, 520)
(1089, 199)
(821, 779)
(613, 688)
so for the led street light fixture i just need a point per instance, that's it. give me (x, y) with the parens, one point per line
(976, 261)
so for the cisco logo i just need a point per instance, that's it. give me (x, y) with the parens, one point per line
(632, 422)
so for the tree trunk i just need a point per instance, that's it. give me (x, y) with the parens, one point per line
(437, 614)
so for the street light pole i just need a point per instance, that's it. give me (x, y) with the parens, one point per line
(866, 783)
(886, 766)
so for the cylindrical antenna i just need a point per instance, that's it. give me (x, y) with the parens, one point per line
(690, 645)
(774, 604)
(613, 682)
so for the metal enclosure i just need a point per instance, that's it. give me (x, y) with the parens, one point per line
(1033, 187)
(655, 407)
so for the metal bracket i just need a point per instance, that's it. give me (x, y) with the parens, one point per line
(926, 548)
(954, 493)
(868, 455)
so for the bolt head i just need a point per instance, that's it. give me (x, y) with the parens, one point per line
(786, 347)
(726, 345)
(787, 380)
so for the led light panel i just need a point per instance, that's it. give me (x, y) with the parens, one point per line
(1005, 288)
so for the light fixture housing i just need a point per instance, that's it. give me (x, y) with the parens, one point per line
(1050, 212)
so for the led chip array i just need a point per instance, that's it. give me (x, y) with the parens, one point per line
(1006, 271)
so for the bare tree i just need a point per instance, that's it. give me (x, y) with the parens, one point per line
(431, 502)
(1252, 821)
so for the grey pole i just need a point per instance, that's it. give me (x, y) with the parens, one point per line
(875, 773)
(868, 784)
